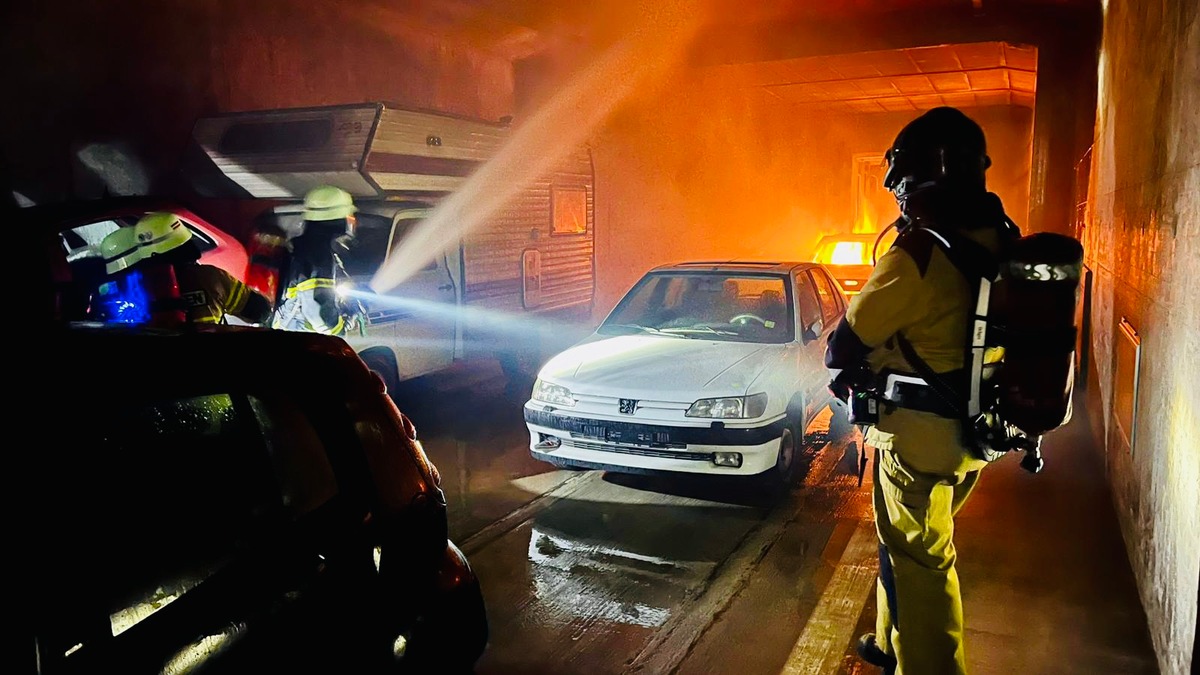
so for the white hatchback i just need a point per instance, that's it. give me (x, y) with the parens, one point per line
(703, 367)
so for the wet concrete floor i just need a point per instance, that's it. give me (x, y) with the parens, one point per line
(593, 572)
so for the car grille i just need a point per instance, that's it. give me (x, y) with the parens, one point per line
(641, 452)
(613, 402)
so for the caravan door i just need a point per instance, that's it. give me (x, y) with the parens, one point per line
(422, 312)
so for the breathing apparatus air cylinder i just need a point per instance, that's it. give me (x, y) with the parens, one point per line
(267, 251)
(1033, 305)
(167, 308)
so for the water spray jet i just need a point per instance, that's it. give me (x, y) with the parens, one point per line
(657, 43)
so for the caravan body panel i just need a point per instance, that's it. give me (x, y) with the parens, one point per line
(420, 152)
(281, 154)
(528, 257)
(370, 149)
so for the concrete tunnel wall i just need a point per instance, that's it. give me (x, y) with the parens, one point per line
(131, 76)
(1142, 237)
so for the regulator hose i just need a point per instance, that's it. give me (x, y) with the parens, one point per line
(882, 234)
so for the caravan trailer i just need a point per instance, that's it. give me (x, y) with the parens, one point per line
(534, 258)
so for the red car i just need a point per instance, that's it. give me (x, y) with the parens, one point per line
(70, 235)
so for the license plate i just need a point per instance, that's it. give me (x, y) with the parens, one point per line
(594, 431)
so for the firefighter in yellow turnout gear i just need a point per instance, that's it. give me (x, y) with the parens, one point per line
(916, 306)
(310, 301)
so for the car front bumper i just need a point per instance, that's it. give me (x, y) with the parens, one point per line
(621, 445)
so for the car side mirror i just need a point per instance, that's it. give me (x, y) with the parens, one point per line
(812, 332)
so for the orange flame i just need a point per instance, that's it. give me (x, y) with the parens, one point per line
(867, 222)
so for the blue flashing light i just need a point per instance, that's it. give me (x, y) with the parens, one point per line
(124, 300)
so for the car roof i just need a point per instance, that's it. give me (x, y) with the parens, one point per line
(735, 265)
(100, 359)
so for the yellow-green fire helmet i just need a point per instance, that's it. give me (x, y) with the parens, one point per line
(328, 202)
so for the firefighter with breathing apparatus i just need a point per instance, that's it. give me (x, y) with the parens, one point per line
(959, 349)
(315, 266)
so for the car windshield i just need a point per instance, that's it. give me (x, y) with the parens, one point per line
(706, 305)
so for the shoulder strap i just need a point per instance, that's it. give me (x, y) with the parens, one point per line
(979, 267)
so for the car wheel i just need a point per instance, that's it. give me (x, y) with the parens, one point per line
(454, 636)
(781, 476)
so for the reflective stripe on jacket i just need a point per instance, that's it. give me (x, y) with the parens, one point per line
(311, 305)
(209, 293)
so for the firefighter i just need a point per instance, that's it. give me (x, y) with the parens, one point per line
(182, 288)
(918, 303)
(310, 301)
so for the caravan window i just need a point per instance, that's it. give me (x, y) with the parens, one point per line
(568, 210)
(251, 138)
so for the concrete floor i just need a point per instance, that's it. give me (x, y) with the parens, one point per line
(587, 572)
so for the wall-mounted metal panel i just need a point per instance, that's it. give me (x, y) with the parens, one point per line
(1125, 381)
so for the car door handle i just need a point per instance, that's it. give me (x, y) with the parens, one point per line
(446, 287)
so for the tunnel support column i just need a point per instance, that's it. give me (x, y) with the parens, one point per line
(1063, 125)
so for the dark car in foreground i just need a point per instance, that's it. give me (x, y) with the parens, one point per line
(232, 500)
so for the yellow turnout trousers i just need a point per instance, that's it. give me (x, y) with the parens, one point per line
(920, 617)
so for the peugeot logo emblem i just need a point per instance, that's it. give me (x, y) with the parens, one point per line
(627, 406)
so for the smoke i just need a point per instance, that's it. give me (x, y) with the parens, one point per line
(655, 43)
(114, 168)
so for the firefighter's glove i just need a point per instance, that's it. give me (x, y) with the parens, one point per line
(847, 380)
(355, 317)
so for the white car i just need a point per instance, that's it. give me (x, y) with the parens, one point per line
(703, 368)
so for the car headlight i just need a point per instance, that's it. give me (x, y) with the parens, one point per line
(730, 407)
(552, 393)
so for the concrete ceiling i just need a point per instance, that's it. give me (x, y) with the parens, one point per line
(986, 72)
(506, 21)
(961, 75)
